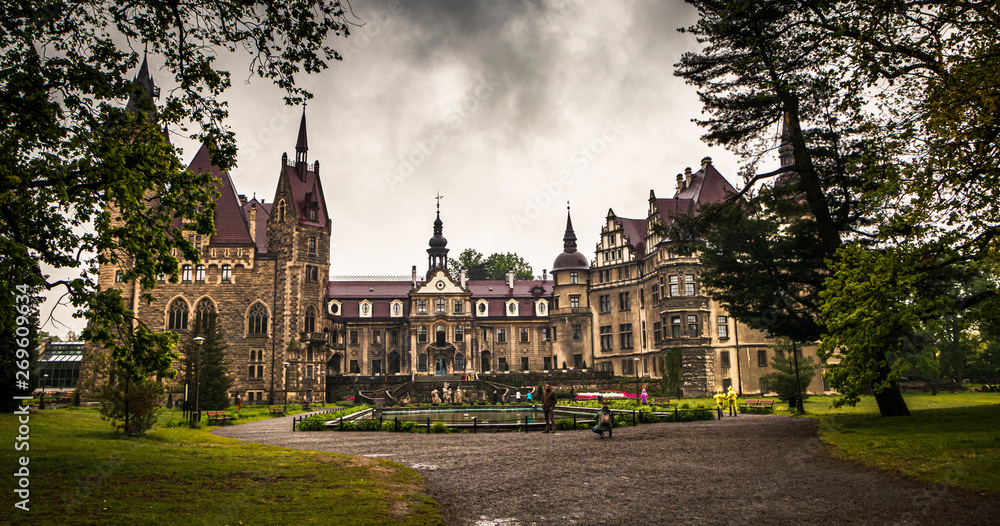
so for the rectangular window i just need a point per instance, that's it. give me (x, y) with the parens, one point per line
(439, 306)
(655, 294)
(605, 303)
(459, 334)
(501, 335)
(458, 306)
(625, 335)
(674, 290)
(689, 289)
(524, 363)
(421, 306)
(227, 273)
(657, 332)
(607, 338)
(524, 335)
(312, 273)
(628, 366)
(393, 336)
(422, 334)
(621, 273)
(627, 272)
(119, 276)
(312, 245)
(761, 358)
(547, 361)
(692, 326)
(186, 273)
(675, 326)
(354, 369)
(723, 326)
(624, 301)
(309, 371)
(643, 335)
(376, 336)
(554, 334)
(577, 332)
(578, 361)
(574, 301)
(354, 337)
(724, 359)
(376, 367)
(573, 278)
(422, 363)
(555, 302)
(502, 364)
(309, 355)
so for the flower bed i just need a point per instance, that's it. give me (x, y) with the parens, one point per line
(608, 394)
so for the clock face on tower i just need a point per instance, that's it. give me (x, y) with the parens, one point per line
(440, 285)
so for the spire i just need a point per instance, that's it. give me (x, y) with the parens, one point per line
(437, 254)
(301, 148)
(785, 150)
(142, 86)
(569, 240)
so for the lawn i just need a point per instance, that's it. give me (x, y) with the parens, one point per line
(81, 472)
(953, 438)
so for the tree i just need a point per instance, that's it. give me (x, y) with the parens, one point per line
(784, 380)
(765, 249)
(87, 180)
(131, 405)
(214, 381)
(493, 267)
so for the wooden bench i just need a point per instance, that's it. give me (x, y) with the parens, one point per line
(276, 410)
(218, 416)
(757, 406)
(766, 406)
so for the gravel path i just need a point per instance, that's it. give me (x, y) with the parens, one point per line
(753, 470)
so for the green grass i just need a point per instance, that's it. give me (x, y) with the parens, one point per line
(953, 438)
(82, 472)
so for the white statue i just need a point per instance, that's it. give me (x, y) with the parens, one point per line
(435, 399)
(458, 395)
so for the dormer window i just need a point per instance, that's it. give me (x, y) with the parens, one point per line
(312, 213)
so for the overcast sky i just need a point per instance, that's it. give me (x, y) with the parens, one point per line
(508, 109)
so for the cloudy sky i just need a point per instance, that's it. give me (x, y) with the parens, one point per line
(508, 109)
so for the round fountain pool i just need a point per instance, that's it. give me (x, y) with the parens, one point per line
(465, 415)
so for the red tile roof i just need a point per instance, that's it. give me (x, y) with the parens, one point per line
(707, 186)
(263, 212)
(380, 293)
(635, 231)
(305, 192)
(230, 221)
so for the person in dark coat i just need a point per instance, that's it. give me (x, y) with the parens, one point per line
(494, 397)
(604, 423)
(549, 408)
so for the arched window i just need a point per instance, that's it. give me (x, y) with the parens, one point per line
(459, 361)
(201, 312)
(310, 325)
(177, 315)
(439, 334)
(199, 273)
(186, 273)
(257, 320)
(281, 211)
(227, 273)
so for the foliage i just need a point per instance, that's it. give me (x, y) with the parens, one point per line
(132, 406)
(670, 364)
(495, 266)
(10, 341)
(439, 427)
(310, 424)
(88, 181)
(783, 380)
(213, 379)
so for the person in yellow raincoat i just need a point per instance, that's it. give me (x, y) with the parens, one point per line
(720, 401)
(731, 398)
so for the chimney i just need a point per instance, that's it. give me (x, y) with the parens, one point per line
(680, 182)
(706, 162)
(462, 278)
(243, 199)
(687, 176)
(252, 220)
(414, 278)
(316, 168)
(510, 279)
(545, 274)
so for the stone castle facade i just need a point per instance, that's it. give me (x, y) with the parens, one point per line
(290, 328)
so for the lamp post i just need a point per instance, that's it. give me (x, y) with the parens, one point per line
(196, 415)
(322, 384)
(636, 359)
(41, 400)
(284, 382)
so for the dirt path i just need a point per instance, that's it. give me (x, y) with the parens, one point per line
(753, 470)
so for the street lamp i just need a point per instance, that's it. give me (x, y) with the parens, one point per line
(284, 382)
(41, 401)
(322, 384)
(636, 381)
(196, 415)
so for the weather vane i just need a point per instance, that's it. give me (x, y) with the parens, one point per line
(439, 196)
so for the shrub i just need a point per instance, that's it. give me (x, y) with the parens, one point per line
(310, 424)
(564, 423)
(439, 427)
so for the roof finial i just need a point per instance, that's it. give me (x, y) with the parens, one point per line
(439, 196)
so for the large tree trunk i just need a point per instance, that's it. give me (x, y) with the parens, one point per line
(890, 400)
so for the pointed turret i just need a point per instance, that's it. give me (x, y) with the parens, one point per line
(143, 87)
(301, 148)
(570, 258)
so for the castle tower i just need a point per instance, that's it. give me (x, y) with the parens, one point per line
(570, 312)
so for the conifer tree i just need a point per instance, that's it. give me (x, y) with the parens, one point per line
(214, 376)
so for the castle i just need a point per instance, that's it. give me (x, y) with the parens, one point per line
(290, 329)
